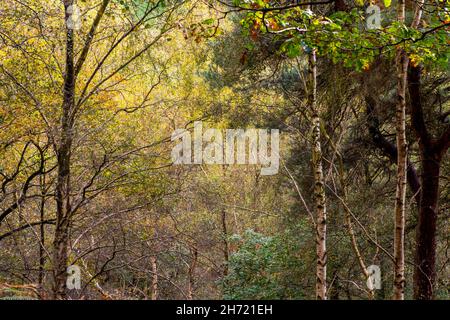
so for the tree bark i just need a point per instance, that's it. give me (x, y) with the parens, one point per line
(400, 195)
(42, 237)
(226, 246)
(425, 270)
(319, 189)
(154, 266)
(63, 203)
(431, 153)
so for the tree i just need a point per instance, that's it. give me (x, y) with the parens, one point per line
(400, 195)
(319, 189)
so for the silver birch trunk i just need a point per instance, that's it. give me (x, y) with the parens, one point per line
(319, 186)
(400, 196)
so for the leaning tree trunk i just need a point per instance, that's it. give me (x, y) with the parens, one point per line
(319, 189)
(64, 146)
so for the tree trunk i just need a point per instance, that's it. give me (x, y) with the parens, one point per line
(431, 156)
(63, 205)
(60, 243)
(154, 266)
(400, 196)
(319, 189)
(226, 247)
(42, 237)
(431, 153)
(425, 271)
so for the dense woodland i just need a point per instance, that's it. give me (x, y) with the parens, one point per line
(92, 90)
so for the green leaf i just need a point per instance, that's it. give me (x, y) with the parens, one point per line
(387, 3)
(292, 50)
(208, 21)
